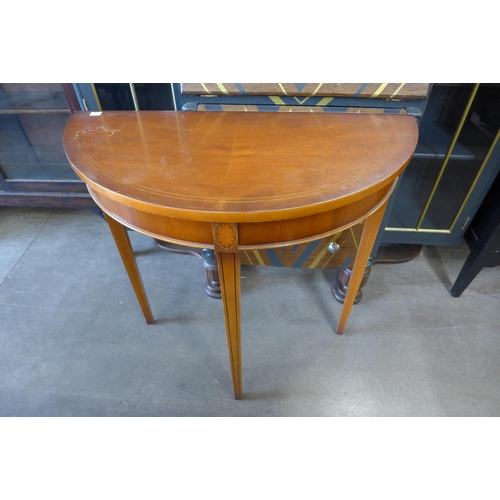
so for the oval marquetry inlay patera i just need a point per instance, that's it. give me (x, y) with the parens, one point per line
(226, 237)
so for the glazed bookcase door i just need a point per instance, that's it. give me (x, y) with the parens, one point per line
(34, 170)
(125, 96)
(456, 161)
(32, 120)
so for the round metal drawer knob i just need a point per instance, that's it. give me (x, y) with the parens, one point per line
(333, 247)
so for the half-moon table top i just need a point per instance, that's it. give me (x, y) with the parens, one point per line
(238, 167)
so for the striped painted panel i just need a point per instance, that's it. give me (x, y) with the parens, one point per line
(314, 255)
(400, 91)
(297, 109)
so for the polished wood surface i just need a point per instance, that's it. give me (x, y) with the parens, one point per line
(127, 254)
(228, 260)
(237, 181)
(372, 226)
(236, 167)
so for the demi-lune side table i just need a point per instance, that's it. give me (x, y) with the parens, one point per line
(239, 181)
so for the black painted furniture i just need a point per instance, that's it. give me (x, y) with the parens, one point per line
(483, 238)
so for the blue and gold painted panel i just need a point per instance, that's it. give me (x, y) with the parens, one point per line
(330, 97)
(297, 109)
(314, 255)
(304, 91)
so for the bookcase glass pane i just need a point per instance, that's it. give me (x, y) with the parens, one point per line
(441, 119)
(32, 121)
(476, 137)
(150, 96)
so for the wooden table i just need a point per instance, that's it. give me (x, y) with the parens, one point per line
(239, 181)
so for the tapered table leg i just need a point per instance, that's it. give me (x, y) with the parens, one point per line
(127, 254)
(229, 275)
(228, 259)
(372, 226)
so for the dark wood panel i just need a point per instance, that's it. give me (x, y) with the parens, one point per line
(69, 92)
(54, 200)
(47, 186)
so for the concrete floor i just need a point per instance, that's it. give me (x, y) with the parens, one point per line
(73, 341)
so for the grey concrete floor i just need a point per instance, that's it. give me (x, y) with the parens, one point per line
(73, 341)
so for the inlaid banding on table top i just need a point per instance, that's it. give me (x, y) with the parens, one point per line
(308, 158)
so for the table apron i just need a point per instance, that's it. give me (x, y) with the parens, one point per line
(251, 235)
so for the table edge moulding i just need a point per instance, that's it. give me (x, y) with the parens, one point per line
(235, 181)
